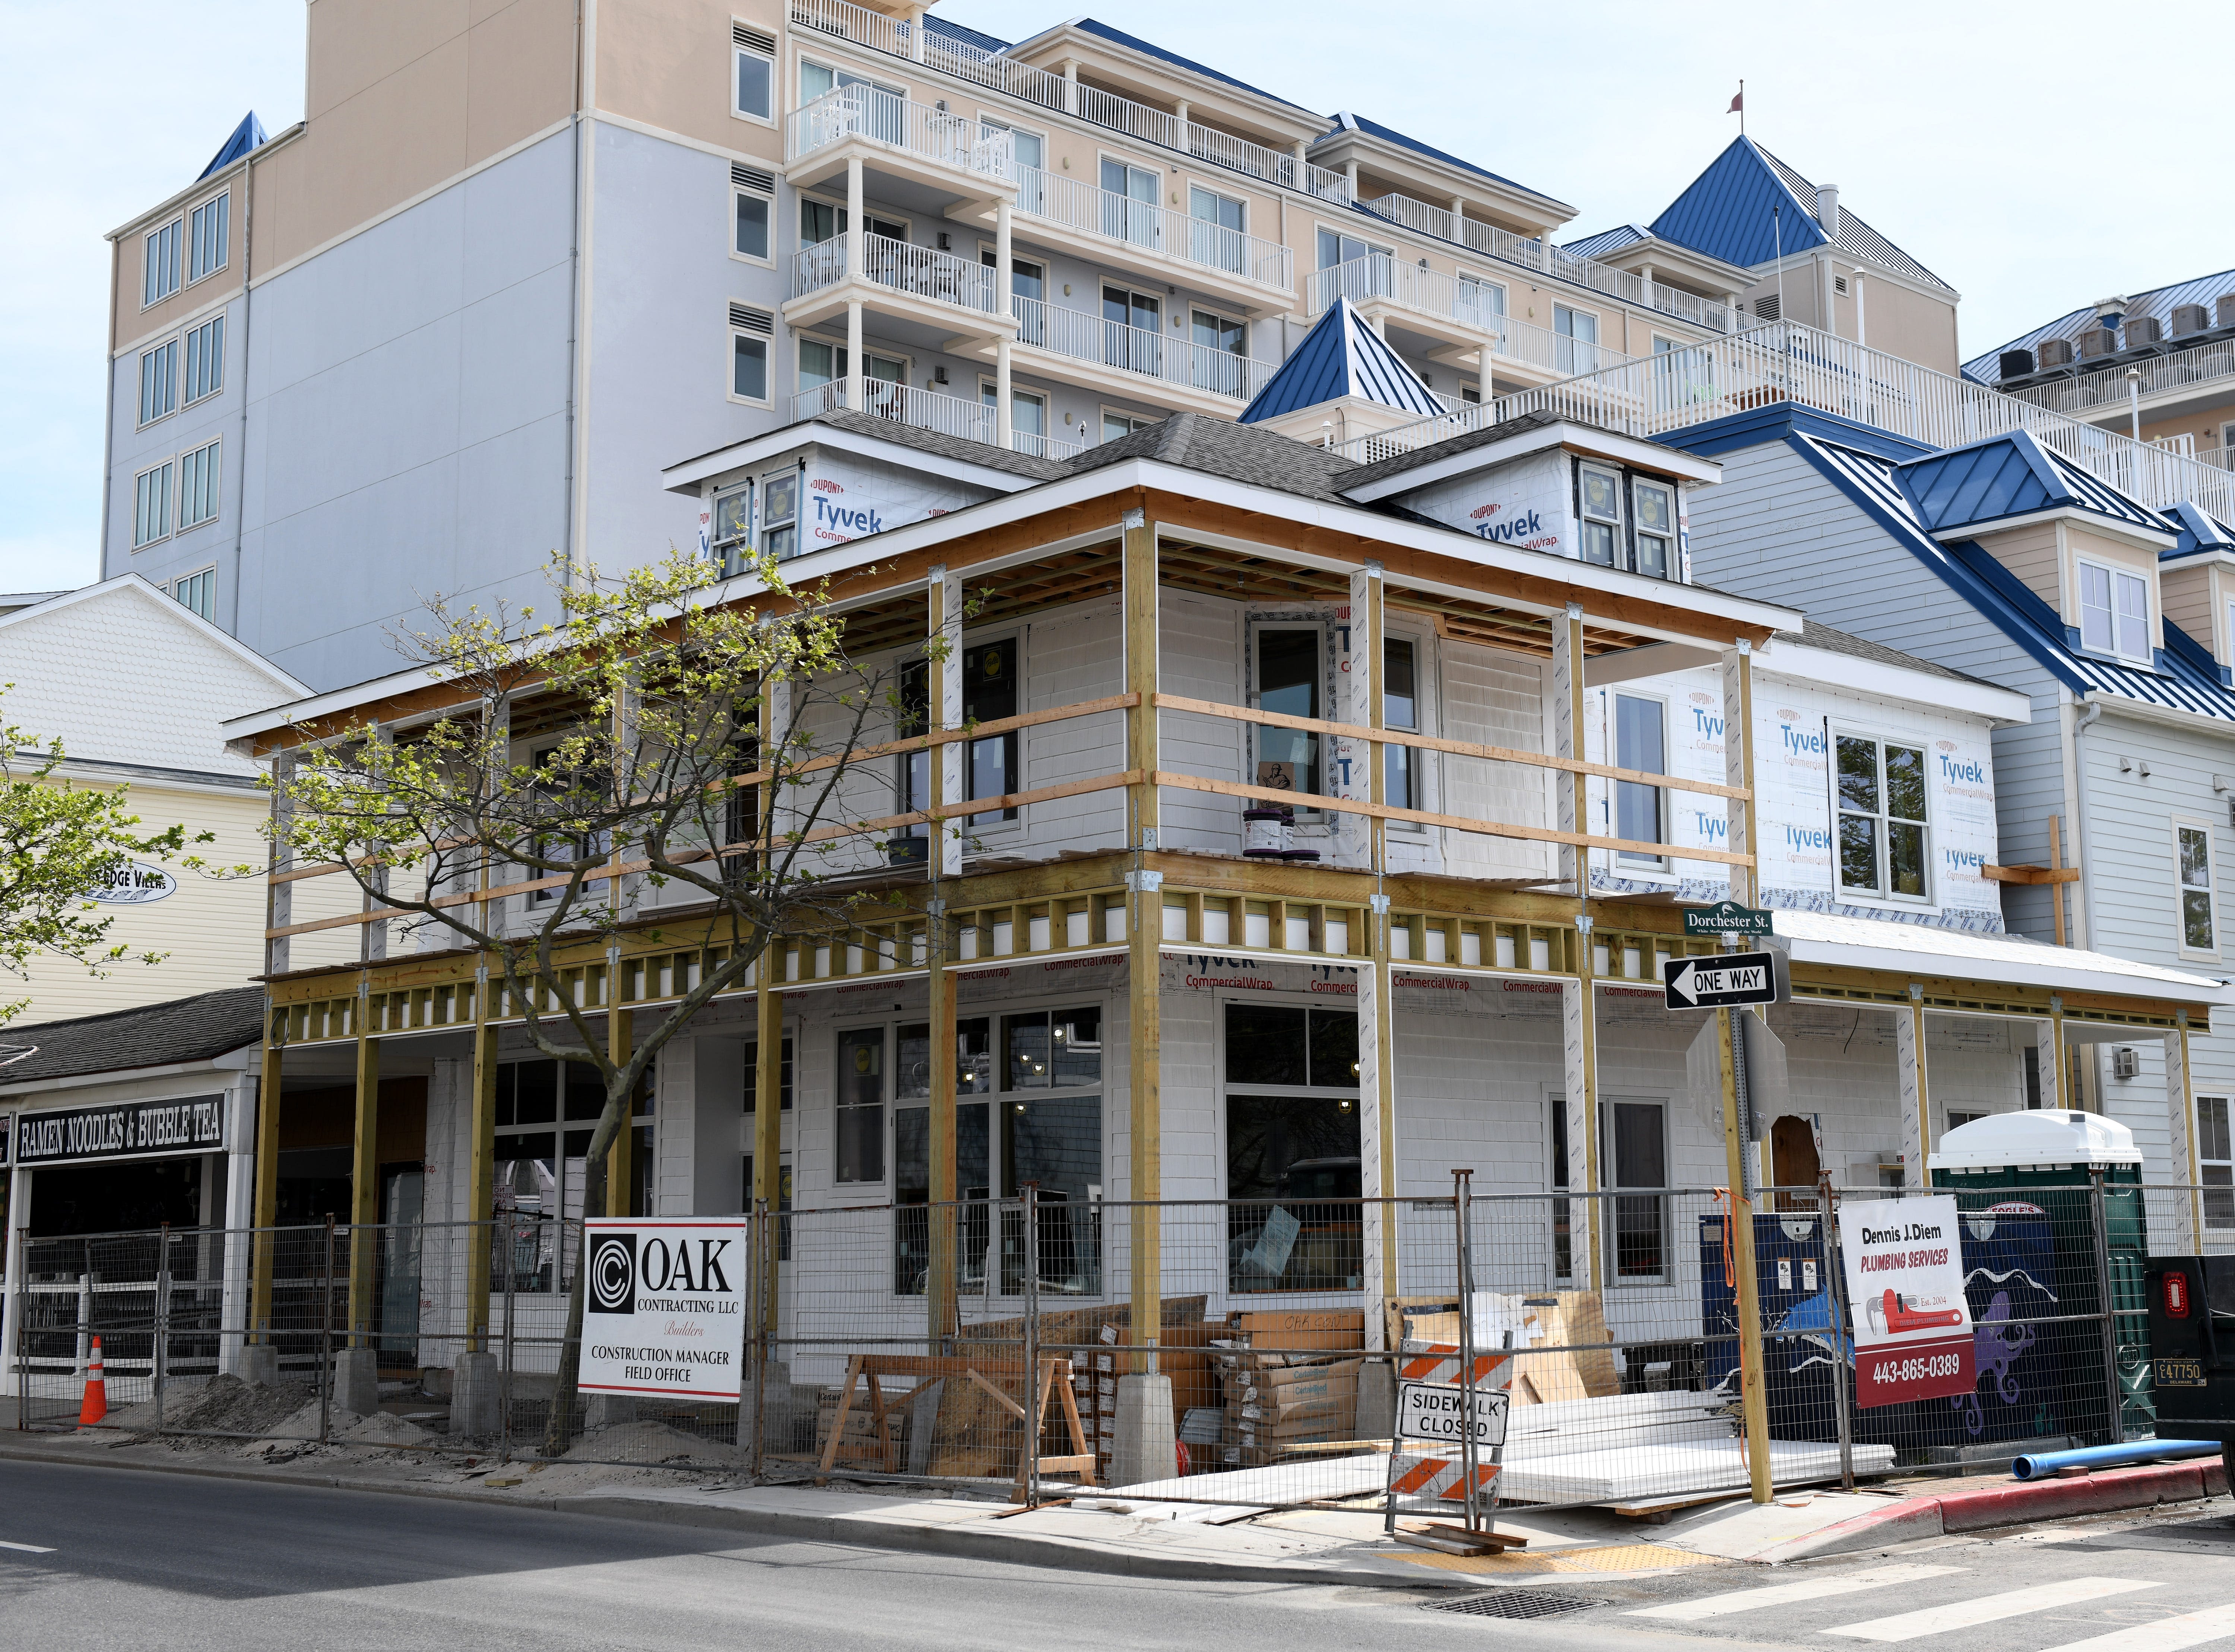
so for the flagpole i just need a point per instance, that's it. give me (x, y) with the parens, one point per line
(1741, 108)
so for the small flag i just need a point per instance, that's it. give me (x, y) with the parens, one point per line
(1738, 105)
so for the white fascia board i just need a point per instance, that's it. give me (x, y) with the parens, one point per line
(206, 186)
(1624, 450)
(2042, 970)
(2194, 722)
(1685, 262)
(1654, 660)
(1170, 79)
(231, 1061)
(687, 477)
(1887, 681)
(2205, 556)
(2110, 527)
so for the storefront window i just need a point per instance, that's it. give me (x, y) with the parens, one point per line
(545, 1118)
(861, 1106)
(1292, 1149)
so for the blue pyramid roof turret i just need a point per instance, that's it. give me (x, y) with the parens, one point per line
(1341, 356)
(248, 135)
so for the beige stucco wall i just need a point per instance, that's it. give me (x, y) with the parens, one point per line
(2096, 547)
(130, 321)
(212, 930)
(2030, 553)
(2186, 595)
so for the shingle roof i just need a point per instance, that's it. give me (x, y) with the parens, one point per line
(1220, 447)
(1815, 635)
(1119, 36)
(199, 1028)
(1345, 121)
(1726, 214)
(962, 448)
(1400, 463)
(1343, 356)
(2158, 303)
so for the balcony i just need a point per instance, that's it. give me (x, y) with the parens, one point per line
(950, 153)
(1129, 360)
(1461, 315)
(897, 278)
(1152, 239)
(2168, 378)
(949, 415)
(1537, 253)
(995, 73)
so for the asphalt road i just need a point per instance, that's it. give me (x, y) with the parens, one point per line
(94, 1558)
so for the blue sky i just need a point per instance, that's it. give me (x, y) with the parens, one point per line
(2037, 157)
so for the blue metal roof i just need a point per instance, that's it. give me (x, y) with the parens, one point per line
(1346, 121)
(1119, 37)
(2013, 475)
(1606, 241)
(1341, 356)
(973, 37)
(1748, 206)
(2199, 531)
(2158, 303)
(248, 135)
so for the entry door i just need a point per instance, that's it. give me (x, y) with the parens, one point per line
(1128, 204)
(1133, 332)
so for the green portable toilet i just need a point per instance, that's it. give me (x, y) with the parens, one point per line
(2012, 1170)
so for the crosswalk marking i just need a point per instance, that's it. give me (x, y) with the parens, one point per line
(1985, 1608)
(27, 1548)
(2166, 1634)
(1746, 1600)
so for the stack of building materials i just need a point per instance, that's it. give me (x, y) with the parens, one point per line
(1289, 1381)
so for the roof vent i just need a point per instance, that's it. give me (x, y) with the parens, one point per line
(1827, 208)
(2143, 330)
(2191, 319)
(2017, 363)
(2055, 352)
(2098, 342)
(2108, 311)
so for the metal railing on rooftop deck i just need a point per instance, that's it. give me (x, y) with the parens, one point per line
(900, 123)
(1152, 227)
(1787, 361)
(1084, 336)
(2106, 387)
(1379, 278)
(1000, 73)
(902, 265)
(1531, 252)
(949, 415)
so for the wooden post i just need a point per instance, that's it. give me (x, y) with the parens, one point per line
(1915, 1088)
(944, 764)
(2181, 1114)
(620, 1158)
(2065, 1099)
(480, 1169)
(2057, 864)
(364, 1176)
(1755, 1400)
(1377, 1063)
(1738, 765)
(1144, 921)
(768, 1106)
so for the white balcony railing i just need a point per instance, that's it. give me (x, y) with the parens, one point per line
(1153, 228)
(1084, 336)
(949, 415)
(1787, 361)
(2218, 458)
(2086, 395)
(901, 265)
(902, 124)
(1379, 278)
(998, 74)
(1531, 253)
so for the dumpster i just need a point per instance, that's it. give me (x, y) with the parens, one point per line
(2025, 1184)
(2191, 1302)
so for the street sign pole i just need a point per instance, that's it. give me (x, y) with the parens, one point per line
(1755, 1404)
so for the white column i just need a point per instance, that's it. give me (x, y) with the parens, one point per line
(1004, 422)
(1863, 338)
(915, 33)
(1070, 86)
(239, 1215)
(1005, 286)
(1731, 309)
(1180, 110)
(1483, 373)
(855, 266)
(854, 399)
(1825, 295)
(19, 1217)
(1350, 172)
(2180, 1137)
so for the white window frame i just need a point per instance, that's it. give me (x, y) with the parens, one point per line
(177, 588)
(221, 203)
(1628, 862)
(838, 1032)
(763, 526)
(737, 189)
(175, 344)
(1883, 895)
(1309, 808)
(837, 204)
(1619, 523)
(1672, 557)
(1417, 762)
(1609, 1208)
(1139, 421)
(166, 466)
(767, 341)
(738, 52)
(2214, 1172)
(186, 397)
(2182, 889)
(2114, 573)
(2227, 637)
(176, 229)
(996, 123)
(215, 481)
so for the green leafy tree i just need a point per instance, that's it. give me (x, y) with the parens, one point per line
(666, 714)
(62, 843)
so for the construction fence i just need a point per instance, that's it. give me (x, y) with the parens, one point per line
(988, 1342)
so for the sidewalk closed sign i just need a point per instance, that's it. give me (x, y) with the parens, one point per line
(664, 1312)
(1439, 1412)
(1904, 1261)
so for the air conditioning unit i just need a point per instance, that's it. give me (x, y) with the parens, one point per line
(2189, 319)
(2223, 311)
(2017, 363)
(2143, 330)
(2125, 1063)
(2055, 352)
(2097, 342)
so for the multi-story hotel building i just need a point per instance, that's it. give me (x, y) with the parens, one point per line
(456, 321)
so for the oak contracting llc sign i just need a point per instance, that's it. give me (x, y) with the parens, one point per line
(193, 1124)
(665, 1312)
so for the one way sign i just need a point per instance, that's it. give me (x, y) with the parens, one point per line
(1720, 983)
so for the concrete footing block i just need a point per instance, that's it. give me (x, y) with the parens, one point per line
(1377, 1399)
(474, 1410)
(1148, 1444)
(608, 1410)
(259, 1362)
(356, 1380)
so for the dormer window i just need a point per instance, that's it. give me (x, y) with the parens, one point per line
(2114, 611)
(1656, 508)
(1601, 500)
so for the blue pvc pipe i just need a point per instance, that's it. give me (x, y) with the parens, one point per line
(2139, 1451)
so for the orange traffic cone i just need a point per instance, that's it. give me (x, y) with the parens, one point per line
(96, 1392)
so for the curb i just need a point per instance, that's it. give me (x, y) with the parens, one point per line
(2020, 1503)
(1020, 1549)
